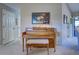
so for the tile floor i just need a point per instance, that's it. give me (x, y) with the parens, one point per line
(15, 48)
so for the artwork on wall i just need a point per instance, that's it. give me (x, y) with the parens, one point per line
(65, 19)
(40, 18)
(71, 20)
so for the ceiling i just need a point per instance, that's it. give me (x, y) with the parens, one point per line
(74, 7)
(14, 5)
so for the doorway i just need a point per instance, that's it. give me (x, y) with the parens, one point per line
(76, 29)
(76, 26)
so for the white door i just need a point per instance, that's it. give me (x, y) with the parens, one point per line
(5, 25)
(9, 26)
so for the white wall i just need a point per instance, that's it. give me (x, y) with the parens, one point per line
(66, 32)
(75, 14)
(65, 11)
(0, 27)
(55, 10)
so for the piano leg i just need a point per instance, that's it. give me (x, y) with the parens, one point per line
(23, 44)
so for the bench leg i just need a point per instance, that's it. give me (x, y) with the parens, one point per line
(48, 49)
(30, 48)
(23, 44)
(54, 49)
(27, 50)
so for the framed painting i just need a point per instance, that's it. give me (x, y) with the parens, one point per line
(65, 19)
(40, 18)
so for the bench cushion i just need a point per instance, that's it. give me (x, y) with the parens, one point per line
(37, 41)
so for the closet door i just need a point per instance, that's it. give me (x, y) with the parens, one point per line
(5, 25)
(9, 25)
(12, 27)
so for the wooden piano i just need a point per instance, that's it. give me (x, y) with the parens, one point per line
(41, 32)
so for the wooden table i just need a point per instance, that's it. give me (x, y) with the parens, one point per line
(41, 34)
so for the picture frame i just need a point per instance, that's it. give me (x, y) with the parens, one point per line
(65, 19)
(40, 17)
